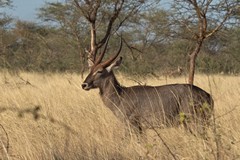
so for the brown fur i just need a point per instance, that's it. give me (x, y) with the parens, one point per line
(149, 106)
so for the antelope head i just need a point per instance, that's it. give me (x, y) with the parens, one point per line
(100, 71)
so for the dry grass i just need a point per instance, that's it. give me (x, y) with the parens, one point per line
(74, 124)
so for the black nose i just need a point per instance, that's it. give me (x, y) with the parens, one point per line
(84, 85)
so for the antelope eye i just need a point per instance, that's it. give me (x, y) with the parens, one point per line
(100, 71)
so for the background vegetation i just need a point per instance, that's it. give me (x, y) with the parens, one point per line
(155, 43)
(44, 114)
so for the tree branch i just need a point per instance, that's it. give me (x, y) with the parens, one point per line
(110, 23)
(90, 13)
(217, 28)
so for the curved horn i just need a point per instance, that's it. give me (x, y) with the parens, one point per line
(110, 60)
(102, 53)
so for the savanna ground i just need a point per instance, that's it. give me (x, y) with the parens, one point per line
(49, 116)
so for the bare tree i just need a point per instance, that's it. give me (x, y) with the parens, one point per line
(107, 17)
(202, 19)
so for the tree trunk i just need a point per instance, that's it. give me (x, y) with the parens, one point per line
(192, 61)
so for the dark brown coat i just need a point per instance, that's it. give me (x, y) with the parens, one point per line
(150, 106)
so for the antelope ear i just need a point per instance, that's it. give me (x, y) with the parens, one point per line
(115, 64)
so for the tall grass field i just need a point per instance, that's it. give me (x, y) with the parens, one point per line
(48, 116)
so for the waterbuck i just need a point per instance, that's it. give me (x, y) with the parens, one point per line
(147, 106)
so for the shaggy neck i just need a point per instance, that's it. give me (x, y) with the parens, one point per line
(110, 92)
(110, 86)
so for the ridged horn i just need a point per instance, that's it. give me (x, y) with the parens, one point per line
(102, 53)
(110, 60)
